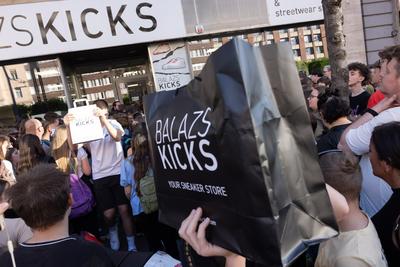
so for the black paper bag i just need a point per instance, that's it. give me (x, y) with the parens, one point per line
(237, 142)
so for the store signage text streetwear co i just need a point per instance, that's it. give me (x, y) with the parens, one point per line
(282, 12)
(236, 141)
(86, 126)
(171, 65)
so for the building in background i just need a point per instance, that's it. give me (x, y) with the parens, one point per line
(353, 31)
(101, 84)
(380, 26)
(47, 81)
(125, 71)
(307, 43)
(19, 84)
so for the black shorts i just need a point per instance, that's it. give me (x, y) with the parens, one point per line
(109, 193)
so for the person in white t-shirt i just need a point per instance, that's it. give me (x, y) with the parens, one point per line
(356, 138)
(357, 244)
(107, 156)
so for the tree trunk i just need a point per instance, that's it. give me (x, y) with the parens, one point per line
(336, 45)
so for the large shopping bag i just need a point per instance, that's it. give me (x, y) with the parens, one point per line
(237, 142)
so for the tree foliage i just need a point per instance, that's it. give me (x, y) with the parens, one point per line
(310, 65)
(51, 105)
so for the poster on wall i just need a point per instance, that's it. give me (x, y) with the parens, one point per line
(236, 141)
(171, 65)
(85, 127)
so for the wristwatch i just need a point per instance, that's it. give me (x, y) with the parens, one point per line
(372, 112)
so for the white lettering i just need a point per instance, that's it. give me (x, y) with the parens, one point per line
(163, 157)
(182, 166)
(214, 165)
(191, 157)
(158, 132)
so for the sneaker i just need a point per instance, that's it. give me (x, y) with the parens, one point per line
(174, 63)
(114, 240)
(131, 243)
(162, 49)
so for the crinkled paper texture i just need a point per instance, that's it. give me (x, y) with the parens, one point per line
(277, 203)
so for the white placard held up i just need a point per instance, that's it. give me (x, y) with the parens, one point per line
(86, 126)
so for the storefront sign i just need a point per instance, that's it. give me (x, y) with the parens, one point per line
(171, 65)
(281, 12)
(54, 27)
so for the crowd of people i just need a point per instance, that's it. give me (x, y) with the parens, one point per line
(103, 178)
(363, 129)
(67, 201)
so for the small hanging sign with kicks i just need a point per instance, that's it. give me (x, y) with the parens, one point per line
(171, 65)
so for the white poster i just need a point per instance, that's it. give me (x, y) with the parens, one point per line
(171, 65)
(53, 27)
(281, 12)
(86, 126)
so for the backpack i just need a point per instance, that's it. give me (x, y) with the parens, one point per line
(148, 196)
(83, 200)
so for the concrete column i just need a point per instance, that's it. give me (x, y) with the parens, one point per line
(76, 85)
(64, 82)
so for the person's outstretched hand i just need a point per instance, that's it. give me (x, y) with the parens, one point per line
(101, 113)
(68, 119)
(197, 240)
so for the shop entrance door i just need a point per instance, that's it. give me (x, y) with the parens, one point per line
(133, 88)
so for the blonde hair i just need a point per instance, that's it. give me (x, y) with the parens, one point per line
(61, 151)
(3, 139)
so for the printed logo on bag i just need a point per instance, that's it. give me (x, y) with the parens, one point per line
(176, 156)
(84, 121)
(182, 143)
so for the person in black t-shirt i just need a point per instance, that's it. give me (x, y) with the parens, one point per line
(42, 199)
(385, 161)
(334, 112)
(67, 251)
(358, 77)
